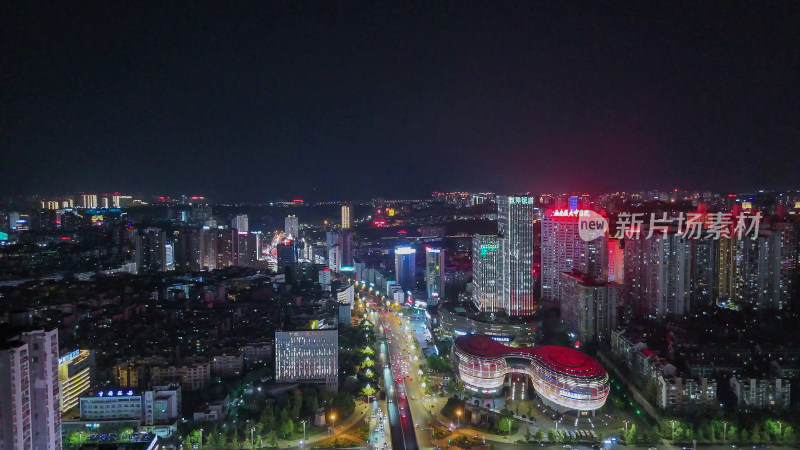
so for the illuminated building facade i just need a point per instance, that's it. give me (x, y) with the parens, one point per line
(515, 216)
(486, 273)
(311, 355)
(405, 267)
(75, 375)
(347, 218)
(563, 250)
(434, 274)
(291, 227)
(563, 378)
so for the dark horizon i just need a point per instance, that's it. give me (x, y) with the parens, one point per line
(360, 100)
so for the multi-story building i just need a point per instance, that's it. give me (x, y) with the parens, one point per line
(30, 417)
(405, 267)
(155, 410)
(225, 365)
(487, 273)
(563, 250)
(15, 396)
(673, 392)
(240, 222)
(346, 245)
(291, 227)
(515, 216)
(89, 200)
(658, 274)
(76, 376)
(193, 374)
(434, 274)
(335, 258)
(773, 393)
(307, 356)
(589, 306)
(347, 218)
(151, 249)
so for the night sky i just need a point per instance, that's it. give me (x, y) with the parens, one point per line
(254, 101)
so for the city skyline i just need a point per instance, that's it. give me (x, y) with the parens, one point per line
(280, 101)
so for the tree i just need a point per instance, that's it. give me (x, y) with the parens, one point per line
(286, 428)
(789, 435)
(193, 437)
(272, 439)
(630, 438)
(552, 436)
(538, 436)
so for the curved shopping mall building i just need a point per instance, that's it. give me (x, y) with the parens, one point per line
(565, 379)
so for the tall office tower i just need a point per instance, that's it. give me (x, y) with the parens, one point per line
(240, 223)
(658, 274)
(515, 215)
(347, 218)
(29, 392)
(89, 201)
(307, 356)
(434, 274)
(346, 244)
(151, 249)
(589, 306)
(75, 375)
(563, 250)
(487, 273)
(106, 203)
(331, 239)
(291, 227)
(405, 267)
(335, 258)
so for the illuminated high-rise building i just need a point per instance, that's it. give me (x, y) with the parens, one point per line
(291, 227)
(434, 274)
(405, 267)
(75, 375)
(515, 216)
(658, 274)
(563, 250)
(347, 218)
(487, 273)
(89, 200)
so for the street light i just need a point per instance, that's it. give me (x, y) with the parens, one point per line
(673, 430)
(333, 422)
(201, 438)
(252, 437)
(304, 429)
(724, 431)
(458, 413)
